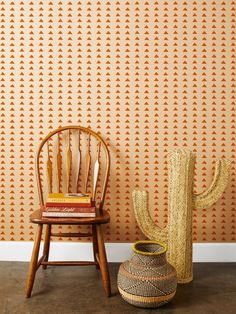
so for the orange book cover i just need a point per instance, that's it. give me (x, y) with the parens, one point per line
(69, 198)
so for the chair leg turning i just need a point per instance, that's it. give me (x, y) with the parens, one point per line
(103, 262)
(33, 262)
(95, 245)
(46, 246)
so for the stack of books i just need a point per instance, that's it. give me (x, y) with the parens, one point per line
(69, 205)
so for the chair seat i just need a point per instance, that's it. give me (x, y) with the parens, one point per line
(36, 217)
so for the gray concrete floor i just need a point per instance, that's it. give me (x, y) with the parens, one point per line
(68, 290)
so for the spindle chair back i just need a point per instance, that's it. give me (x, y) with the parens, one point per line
(71, 159)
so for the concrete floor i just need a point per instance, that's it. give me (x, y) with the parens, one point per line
(66, 290)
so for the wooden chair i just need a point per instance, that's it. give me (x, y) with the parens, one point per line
(82, 165)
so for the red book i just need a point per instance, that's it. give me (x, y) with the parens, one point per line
(69, 211)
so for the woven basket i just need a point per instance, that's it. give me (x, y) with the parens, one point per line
(147, 279)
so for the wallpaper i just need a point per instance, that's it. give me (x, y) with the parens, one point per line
(149, 76)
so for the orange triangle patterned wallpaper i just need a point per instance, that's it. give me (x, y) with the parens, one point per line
(150, 76)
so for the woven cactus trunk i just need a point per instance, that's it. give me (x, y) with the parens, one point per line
(178, 232)
(180, 214)
(147, 279)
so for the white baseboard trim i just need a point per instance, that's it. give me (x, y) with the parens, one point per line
(116, 252)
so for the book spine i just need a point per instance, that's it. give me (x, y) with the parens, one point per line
(69, 200)
(70, 209)
(69, 215)
(69, 195)
(81, 205)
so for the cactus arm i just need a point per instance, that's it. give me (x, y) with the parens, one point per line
(217, 187)
(145, 222)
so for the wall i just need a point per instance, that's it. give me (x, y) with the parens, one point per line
(150, 76)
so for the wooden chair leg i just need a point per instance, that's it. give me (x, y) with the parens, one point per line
(103, 262)
(33, 262)
(95, 245)
(46, 246)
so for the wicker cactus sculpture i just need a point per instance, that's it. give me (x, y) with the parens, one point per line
(181, 201)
